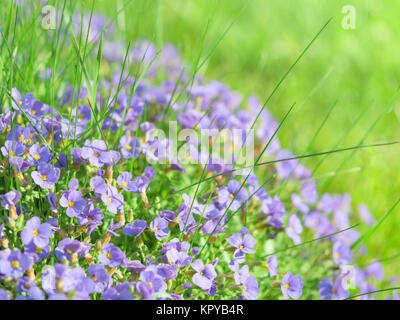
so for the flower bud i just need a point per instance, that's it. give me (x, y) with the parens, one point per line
(145, 200)
(121, 218)
(13, 213)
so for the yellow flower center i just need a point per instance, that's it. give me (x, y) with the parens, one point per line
(15, 264)
(337, 255)
(231, 196)
(20, 103)
(11, 153)
(35, 232)
(109, 199)
(81, 115)
(44, 177)
(128, 147)
(96, 155)
(94, 278)
(109, 255)
(21, 138)
(150, 284)
(71, 204)
(33, 111)
(38, 250)
(241, 247)
(155, 228)
(125, 184)
(36, 157)
(287, 286)
(27, 285)
(68, 251)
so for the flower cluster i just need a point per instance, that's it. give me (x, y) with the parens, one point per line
(92, 209)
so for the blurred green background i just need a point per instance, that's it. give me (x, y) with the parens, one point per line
(358, 67)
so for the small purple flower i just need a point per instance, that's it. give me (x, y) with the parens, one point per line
(275, 210)
(36, 253)
(12, 149)
(73, 201)
(150, 282)
(294, 229)
(100, 277)
(232, 191)
(98, 185)
(292, 286)
(112, 199)
(112, 256)
(46, 176)
(366, 215)
(36, 233)
(92, 151)
(272, 265)
(130, 147)
(327, 290)
(341, 253)
(135, 229)
(16, 264)
(10, 199)
(25, 284)
(38, 155)
(244, 245)
(67, 247)
(250, 288)
(160, 228)
(204, 274)
(124, 179)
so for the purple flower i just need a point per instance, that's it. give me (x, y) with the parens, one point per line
(272, 265)
(366, 215)
(36, 253)
(92, 152)
(67, 247)
(10, 199)
(274, 208)
(204, 274)
(36, 233)
(38, 155)
(112, 256)
(130, 147)
(341, 253)
(25, 284)
(327, 289)
(150, 282)
(124, 179)
(100, 277)
(12, 149)
(243, 244)
(15, 265)
(112, 199)
(135, 229)
(177, 258)
(294, 229)
(4, 295)
(160, 228)
(98, 185)
(250, 288)
(292, 286)
(73, 201)
(91, 217)
(46, 176)
(227, 194)
(139, 185)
